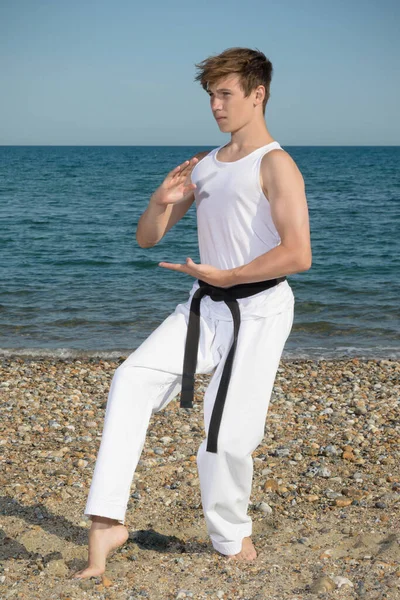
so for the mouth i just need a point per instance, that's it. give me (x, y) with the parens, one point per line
(220, 118)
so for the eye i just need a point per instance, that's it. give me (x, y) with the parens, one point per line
(227, 94)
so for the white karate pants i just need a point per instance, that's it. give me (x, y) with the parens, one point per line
(151, 377)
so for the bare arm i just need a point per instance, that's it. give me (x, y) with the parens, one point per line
(285, 190)
(169, 203)
(284, 187)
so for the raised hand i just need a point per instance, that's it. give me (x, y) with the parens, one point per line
(176, 185)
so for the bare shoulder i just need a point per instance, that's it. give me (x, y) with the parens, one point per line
(278, 163)
(278, 170)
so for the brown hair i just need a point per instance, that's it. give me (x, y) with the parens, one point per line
(252, 67)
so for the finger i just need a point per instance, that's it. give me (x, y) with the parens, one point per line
(172, 266)
(177, 169)
(184, 178)
(187, 167)
(181, 174)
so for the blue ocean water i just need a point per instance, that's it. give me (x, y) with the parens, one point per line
(74, 280)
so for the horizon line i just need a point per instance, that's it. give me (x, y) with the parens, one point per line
(188, 145)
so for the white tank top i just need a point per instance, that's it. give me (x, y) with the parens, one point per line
(234, 223)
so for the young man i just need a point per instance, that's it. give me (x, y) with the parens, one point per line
(253, 231)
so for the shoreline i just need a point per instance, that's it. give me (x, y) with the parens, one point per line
(112, 355)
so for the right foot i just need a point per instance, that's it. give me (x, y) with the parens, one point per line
(104, 535)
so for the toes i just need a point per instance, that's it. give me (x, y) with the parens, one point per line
(79, 575)
(84, 574)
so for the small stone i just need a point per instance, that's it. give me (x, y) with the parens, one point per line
(330, 450)
(105, 581)
(282, 452)
(384, 518)
(264, 508)
(323, 584)
(324, 472)
(360, 589)
(340, 581)
(271, 484)
(87, 584)
(326, 411)
(312, 471)
(303, 540)
(333, 495)
(312, 498)
(266, 471)
(348, 456)
(342, 502)
(83, 524)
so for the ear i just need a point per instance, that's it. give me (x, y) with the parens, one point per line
(259, 94)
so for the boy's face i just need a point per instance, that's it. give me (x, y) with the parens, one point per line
(229, 106)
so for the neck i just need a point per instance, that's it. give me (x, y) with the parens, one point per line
(252, 135)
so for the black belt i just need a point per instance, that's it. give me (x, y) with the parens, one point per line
(229, 296)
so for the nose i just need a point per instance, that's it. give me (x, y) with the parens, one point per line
(216, 104)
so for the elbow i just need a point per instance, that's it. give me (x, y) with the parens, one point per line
(306, 263)
(143, 243)
(299, 257)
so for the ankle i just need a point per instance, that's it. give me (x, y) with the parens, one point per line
(104, 520)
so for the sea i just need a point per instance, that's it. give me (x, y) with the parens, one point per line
(75, 283)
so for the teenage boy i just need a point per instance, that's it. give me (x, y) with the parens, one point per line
(253, 231)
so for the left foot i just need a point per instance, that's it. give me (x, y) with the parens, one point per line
(248, 552)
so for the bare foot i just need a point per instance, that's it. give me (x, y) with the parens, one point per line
(104, 535)
(248, 552)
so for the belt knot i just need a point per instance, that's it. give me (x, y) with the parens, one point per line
(218, 295)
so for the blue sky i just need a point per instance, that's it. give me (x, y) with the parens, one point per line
(122, 72)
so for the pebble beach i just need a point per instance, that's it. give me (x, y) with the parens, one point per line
(325, 502)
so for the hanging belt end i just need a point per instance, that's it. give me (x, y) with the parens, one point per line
(186, 399)
(211, 447)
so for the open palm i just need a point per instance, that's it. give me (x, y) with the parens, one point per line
(177, 184)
